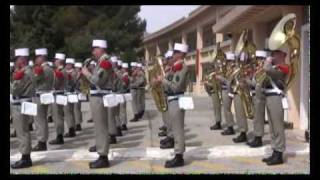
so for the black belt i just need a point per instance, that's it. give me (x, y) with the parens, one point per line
(20, 97)
(58, 93)
(19, 103)
(98, 95)
(174, 94)
(173, 99)
(272, 94)
(224, 88)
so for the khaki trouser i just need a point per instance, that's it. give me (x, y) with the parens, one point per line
(259, 113)
(141, 100)
(240, 114)
(111, 120)
(176, 116)
(99, 116)
(41, 121)
(276, 122)
(58, 118)
(226, 102)
(69, 115)
(21, 125)
(123, 113)
(77, 113)
(216, 108)
(168, 123)
(134, 102)
(117, 115)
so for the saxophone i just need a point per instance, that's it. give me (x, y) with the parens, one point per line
(84, 82)
(157, 90)
(237, 77)
(219, 60)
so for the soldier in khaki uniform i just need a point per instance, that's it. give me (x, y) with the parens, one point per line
(57, 110)
(259, 101)
(70, 83)
(101, 78)
(215, 101)
(22, 91)
(175, 86)
(166, 128)
(277, 72)
(44, 79)
(77, 106)
(137, 85)
(13, 134)
(226, 99)
(125, 89)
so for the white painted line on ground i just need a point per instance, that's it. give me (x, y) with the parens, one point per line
(154, 153)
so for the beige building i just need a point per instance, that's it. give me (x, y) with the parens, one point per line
(198, 31)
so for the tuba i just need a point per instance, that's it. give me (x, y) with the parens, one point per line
(283, 34)
(157, 91)
(248, 49)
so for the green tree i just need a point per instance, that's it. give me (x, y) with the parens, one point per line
(70, 29)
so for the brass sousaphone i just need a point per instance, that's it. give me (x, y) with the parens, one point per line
(283, 34)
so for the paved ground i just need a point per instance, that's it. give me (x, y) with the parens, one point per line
(138, 152)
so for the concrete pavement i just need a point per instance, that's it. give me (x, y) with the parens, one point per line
(138, 150)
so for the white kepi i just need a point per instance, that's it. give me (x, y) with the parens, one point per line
(181, 47)
(70, 61)
(41, 51)
(60, 56)
(21, 52)
(125, 65)
(78, 65)
(99, 43)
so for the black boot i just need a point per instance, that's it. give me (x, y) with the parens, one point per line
(119, 133)
(135, 118)
(113, 139)
(50, 120)
(41, 146)
(24, 162)
(30, 127)
(93, 149)
(216, 126)
(162, 133)
(257, 142)
(241, 138)
(90, 121)
(275, 159)
(163, 128)
(166, 139)
(124, 127)
(14, 134)
(175, 162)
(101, 162)
(78, 127)
(228, 131)
(167, 144)
(58, 140)
(71, 133)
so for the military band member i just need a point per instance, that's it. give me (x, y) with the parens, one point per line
(125, 89)
(44, 79)
(101, 78)
(175, 86)
(259, 101)
(134, 92)
(226, 99)
(277, 71)
(57, 110)
(77, 106)
(22, 91)
(215, 101)
(165, 128)
(241, 119)
(114, 126)
(141, 91)
(69, 88)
